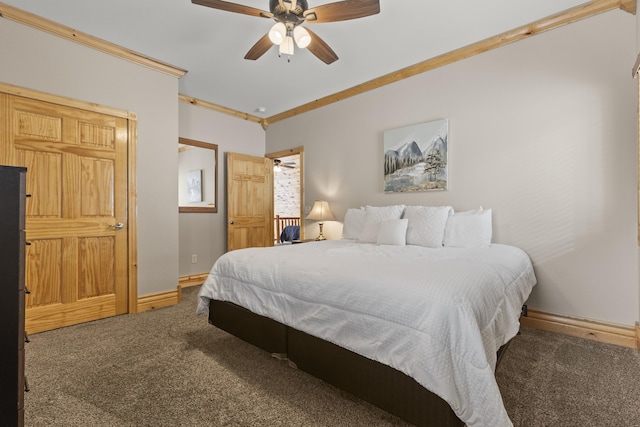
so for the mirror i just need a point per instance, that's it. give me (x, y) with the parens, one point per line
(197, 176)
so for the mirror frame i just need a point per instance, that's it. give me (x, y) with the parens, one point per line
(203, 209)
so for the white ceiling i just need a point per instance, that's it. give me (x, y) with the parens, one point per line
(211, 43)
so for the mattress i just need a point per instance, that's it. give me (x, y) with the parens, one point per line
(437, 315)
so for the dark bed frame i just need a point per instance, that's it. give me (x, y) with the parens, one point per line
(374, 382)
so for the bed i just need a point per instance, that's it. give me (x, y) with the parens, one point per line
(281, 223)
(413, 329)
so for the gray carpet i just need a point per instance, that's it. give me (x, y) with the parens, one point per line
(549, 379)
(168, 367)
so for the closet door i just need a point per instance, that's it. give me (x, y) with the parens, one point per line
(76, 263)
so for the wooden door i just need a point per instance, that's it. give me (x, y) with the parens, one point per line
(76, 263)
(249, 201)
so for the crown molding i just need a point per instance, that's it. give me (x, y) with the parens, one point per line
(219, 108)
(568, 16)
(43, 24)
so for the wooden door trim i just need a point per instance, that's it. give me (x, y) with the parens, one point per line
(132, 240)
(132, 218)
(290, 152)
(67, 102)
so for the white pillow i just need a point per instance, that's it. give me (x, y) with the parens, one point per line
(393, 232)
(426, 224)
(374, 217)
(470, 229)
(353, 222)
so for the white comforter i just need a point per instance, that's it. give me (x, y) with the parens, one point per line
(438, 315)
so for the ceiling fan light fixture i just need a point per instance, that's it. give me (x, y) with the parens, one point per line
(278, 33)
(286, 47)
(301, 36)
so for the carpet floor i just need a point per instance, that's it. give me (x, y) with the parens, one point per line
(169, 367)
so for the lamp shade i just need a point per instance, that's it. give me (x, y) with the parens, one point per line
(277, 33)
(321, 212)
(302, 37)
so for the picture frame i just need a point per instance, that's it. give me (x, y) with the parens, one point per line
(194, 186)
(416, 157)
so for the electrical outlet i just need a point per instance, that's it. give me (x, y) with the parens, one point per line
(194, 259)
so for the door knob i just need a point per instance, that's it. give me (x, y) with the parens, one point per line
(231, 222)
(118, 226)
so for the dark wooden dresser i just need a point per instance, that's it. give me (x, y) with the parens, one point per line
(12, 294)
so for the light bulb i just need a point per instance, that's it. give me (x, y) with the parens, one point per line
(302, 37)
(277, 33)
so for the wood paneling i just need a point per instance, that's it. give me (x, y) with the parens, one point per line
(95, 266)
(39, 126)
(101, 136)
(43, 274)
(45, 189)
(97, 188)
(54, 316)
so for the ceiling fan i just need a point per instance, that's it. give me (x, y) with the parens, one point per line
(289, 14)
(278, 165)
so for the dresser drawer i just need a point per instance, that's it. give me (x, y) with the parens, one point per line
(21, 379)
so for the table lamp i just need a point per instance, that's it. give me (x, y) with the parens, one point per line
(321, 212)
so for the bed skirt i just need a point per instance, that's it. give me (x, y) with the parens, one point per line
(374, 382)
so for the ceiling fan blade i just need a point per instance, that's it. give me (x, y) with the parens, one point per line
(342, 11)
(321, 49)
(233, 7)
(260, 48)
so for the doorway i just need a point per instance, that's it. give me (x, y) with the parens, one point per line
(288, 193)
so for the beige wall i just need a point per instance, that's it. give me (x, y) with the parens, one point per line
(39, 61)
(205, 234)
(543, 131)
(637, 51)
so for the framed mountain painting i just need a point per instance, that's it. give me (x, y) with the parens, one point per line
(415, 157)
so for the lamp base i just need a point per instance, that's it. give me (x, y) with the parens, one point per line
(321, 236)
